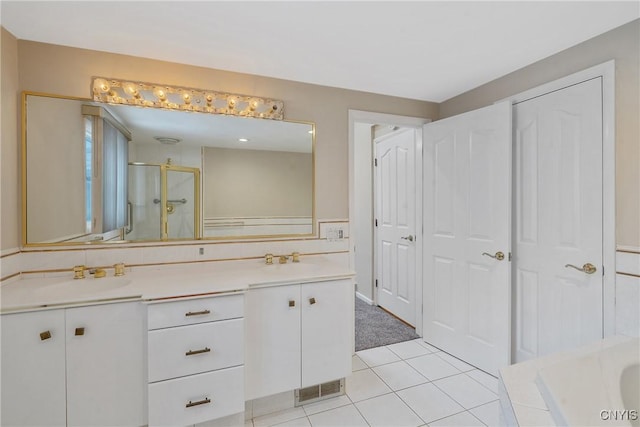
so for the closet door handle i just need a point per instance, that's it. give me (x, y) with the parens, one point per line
(587, 268)
(499, 255)
(409, 238)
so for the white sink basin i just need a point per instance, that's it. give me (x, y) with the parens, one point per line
(83, 286)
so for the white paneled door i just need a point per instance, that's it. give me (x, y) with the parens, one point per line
(467, 236)
(396, 223)
(558, 220)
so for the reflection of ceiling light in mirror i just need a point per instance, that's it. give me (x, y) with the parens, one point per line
(243, 140)
(167, 140)
(311, 131)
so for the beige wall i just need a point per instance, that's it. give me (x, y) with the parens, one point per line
(621, 44)
(68, 71)
(9, 146)
(256, 183)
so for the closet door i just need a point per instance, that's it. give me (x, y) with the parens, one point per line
(467, 236)
(558, 220)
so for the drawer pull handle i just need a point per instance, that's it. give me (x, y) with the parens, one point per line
(45, 335)
(312, 301)
(197, 313)
(199, 402)
(292, 303)
(79, 332)
(192, 352)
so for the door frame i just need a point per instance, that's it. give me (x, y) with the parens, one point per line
(360, 116)
(607, 72)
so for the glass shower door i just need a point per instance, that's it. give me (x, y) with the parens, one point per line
(182, 207)
(143, 215)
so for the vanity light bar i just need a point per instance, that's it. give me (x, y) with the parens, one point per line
(113, 91)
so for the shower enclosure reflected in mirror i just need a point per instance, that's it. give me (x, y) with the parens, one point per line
(97, 173)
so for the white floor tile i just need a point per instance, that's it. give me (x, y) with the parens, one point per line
(279, 417)
(388, 410)
(399, 375)
(377, 356)
(357, 364)
(325, 405)
(461, 365)
(432, 367)
(465, 391)
(298, 422)
(429, 402)
(488, 413)
(347, 416)
(485, 379)
(364, 385)
(463, 419)
(408, 349)
(428, 346)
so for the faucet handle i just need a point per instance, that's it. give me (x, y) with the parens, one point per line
(268, 259)
(295, 257)
(78, 272)
(119, 269)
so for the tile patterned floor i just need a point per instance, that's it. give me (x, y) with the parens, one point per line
(406, 384)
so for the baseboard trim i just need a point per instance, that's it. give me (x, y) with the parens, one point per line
(363, 298)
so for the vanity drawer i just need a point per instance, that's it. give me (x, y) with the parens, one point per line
(197, 398)
(188, 312)
(186, 350)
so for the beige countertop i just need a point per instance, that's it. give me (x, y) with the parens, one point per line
(149, 284)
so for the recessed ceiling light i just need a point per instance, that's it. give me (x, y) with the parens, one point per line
(243, 140)
(167, 140)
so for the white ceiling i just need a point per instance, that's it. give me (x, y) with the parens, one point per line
(425, 50)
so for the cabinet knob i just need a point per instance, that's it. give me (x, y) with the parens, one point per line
(312, 300)
(79, 332)
(45, 335)
(292, 303)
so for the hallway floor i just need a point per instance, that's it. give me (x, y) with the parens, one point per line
(406, 384)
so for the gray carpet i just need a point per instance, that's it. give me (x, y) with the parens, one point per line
(375, 327)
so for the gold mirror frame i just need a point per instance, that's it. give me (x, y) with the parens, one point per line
(199, 238)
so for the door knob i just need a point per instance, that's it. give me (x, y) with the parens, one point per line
(587, 268)
(499, 255)
(409, 238)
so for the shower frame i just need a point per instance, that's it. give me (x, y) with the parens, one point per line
(164, 215)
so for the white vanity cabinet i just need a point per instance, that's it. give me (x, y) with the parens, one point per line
(297, 336)
(71, 366)
(33, 374)
(195, 359)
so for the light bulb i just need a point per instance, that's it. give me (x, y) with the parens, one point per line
(131, 89)
(187, 98)
(160, 94)
(102, 85)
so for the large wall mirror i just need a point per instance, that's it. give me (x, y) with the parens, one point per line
(96, 172)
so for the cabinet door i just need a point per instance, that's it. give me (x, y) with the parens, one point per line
(327, 325)
(106, 375)
(272, 355)
(33, 389)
